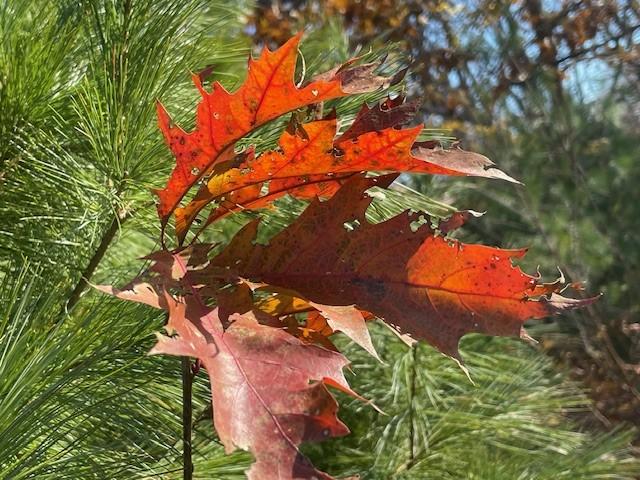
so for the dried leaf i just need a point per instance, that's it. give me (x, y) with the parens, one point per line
(267, 388)
(424, 285)
(223, 118)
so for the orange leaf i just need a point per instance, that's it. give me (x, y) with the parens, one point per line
(316, 331)
(347, 319)
(308, 155)
(424, 285)
(223, 118)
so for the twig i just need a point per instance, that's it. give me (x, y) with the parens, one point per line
(99, 254)
(412, 394)
(95, 260)
(187, 414)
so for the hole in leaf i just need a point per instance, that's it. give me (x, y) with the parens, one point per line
(352, 225)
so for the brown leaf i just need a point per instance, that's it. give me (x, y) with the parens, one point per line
(456, 220)
(267, 388)
(422, 284)
(388, 114)
(460, 162)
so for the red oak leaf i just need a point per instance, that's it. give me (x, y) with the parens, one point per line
(309, 159)
(223, 118)
(265, 344)
(267, 387)
(427, 286)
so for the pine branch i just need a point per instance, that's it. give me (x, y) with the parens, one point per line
(95, 260)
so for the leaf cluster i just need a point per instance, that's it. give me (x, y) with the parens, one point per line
(79, 397)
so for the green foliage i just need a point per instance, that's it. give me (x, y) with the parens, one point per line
(511, 422)
(72, 395)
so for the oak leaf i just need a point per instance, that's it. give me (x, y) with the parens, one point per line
(268, 388)
(311, 161)
(260, 317)
(427, 286)
(223, 118)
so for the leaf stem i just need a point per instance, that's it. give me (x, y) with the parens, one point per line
(187, 414)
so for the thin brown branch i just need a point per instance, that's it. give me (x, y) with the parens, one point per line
(412, 419)
(95, 260)
(99, 254)
(187, 418)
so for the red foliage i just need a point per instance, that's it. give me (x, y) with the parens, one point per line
(266, 341)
